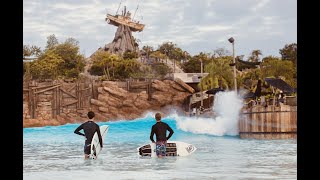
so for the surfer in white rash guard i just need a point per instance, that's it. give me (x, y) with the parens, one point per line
(89, 129)
(160, 129)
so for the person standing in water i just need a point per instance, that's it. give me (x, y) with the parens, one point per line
(160, 129)
(89, 129)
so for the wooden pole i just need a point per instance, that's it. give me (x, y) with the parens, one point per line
(128, 85)
(92, 93)
(190, 100)
(78, 95)
(274, 99)
(82, 93)
(54, 103)
(58, 100)
(30, 97)
(88, 95)
(84, 96)
(149, 90)
(34, 104)
(62, 99)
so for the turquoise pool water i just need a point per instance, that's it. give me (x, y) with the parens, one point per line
(55, 152)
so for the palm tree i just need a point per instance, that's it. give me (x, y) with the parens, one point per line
(219, 70)
(255, 55)
(158, 55)
(148, 50)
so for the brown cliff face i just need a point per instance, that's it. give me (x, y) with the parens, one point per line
(114, 103)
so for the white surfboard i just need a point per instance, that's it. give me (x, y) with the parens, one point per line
(95, 144)
(173, 148)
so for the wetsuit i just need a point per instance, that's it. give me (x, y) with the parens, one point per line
(89, 129)
(160, 129)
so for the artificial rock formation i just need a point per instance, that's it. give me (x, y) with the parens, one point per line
(115, 103)
(123, 41)
(109, 100)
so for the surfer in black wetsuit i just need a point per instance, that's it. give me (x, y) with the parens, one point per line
(160, 129)
(89, 129)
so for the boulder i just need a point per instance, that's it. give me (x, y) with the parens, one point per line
(114, 101)
(115, 91)
(160, 86)
(162, 98)
(184, 85)
(103, 109)
(97, 102)
(141, 103)
(128, 103)
(177, 87)
(101, 90)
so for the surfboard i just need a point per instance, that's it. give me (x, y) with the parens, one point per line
(95, 144)
(173, 148)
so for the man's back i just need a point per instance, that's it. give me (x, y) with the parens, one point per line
(89, 129)
(160, 129)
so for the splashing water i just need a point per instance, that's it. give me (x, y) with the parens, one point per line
(55, 152)
(227, 106)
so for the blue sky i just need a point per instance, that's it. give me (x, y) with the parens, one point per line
(194, 25)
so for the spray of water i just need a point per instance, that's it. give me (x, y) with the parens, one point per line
(227, 107)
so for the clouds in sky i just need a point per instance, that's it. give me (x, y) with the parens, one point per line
(194, 25)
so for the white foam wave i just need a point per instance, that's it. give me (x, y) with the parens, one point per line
(227, 106)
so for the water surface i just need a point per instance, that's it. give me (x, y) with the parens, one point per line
(57, 153)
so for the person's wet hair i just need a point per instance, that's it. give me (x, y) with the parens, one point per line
(158, 116)
(91, 114)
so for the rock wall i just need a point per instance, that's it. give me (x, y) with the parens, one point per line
(44, 109)
(44, 105)
(109, 100)
(43, 102)
(114, 103)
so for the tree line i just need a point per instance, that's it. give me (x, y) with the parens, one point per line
(63, 60)
(218, 64)
(55, 61)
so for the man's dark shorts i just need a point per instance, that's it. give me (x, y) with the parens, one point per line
(87, 148)
(161, 148)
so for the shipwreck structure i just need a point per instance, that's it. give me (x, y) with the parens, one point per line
(124, 19)
(123, 40)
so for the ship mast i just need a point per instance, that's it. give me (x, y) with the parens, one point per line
(118, 7)
(124, 11)
(135, 11)
(124, 18)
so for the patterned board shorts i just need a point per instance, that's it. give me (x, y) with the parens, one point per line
(161, 148)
